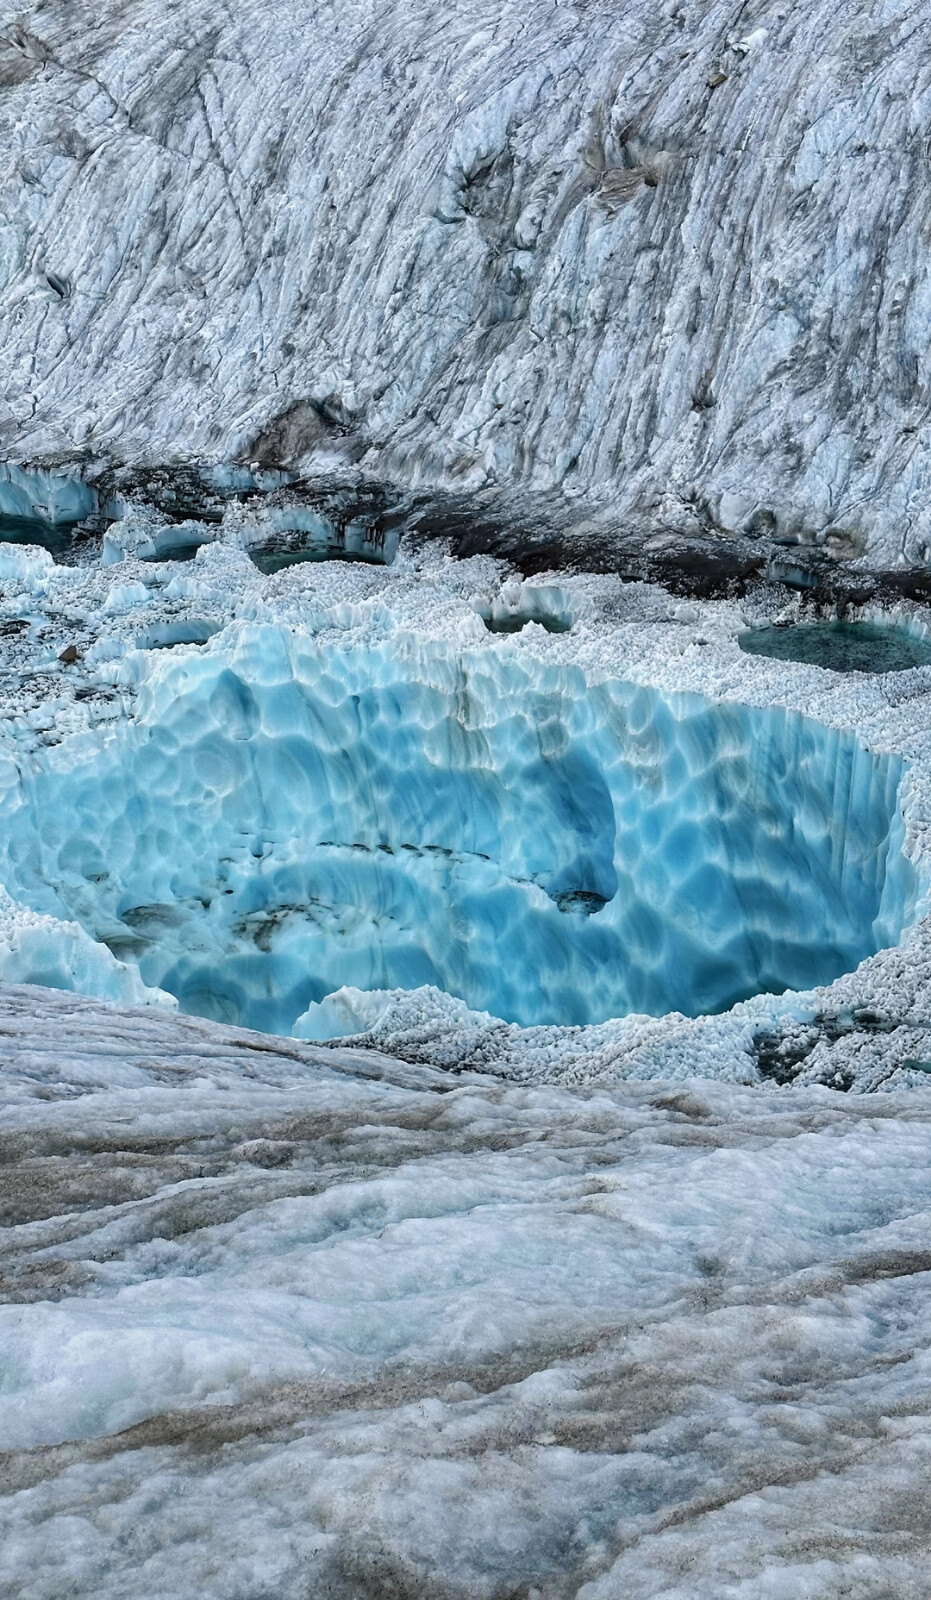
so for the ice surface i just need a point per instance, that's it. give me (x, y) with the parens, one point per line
(591, 251)
(288, 815)
(284, 1321)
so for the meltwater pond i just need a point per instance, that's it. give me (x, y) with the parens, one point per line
(285, 816)
(271, 561)
(841, 646)
(55, 537)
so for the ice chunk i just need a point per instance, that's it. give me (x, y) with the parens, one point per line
(61, 955)
(344, 1012)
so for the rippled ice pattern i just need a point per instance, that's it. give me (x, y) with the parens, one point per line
(285, 817)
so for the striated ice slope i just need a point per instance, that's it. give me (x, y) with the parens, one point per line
(671, 256)
(280, 1322)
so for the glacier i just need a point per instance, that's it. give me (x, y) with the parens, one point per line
(280, 1320)
(656, 266)
(465, 1016)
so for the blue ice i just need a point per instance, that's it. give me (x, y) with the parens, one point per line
(286, 816)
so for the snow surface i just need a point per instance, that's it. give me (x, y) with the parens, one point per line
(669, 256)
(281, 1321)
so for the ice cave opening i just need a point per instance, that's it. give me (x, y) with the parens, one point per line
(521, 603)
(42, 508)
(286, 815)
(516, 621)
(841, 646)
(270, 559)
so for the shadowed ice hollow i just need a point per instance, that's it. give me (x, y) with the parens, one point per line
(287, 815)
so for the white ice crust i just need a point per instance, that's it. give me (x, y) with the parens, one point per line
(285, 1321)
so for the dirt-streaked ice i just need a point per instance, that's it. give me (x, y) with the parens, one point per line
(285, 1321)
(670, 256)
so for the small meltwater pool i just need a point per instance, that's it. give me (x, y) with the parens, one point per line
(841, 646)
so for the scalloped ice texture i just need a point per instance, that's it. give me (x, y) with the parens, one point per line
(288, 815)
(45, 497)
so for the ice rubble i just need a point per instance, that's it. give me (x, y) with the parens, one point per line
(650, 253)
(281, 1321)
(257, 792)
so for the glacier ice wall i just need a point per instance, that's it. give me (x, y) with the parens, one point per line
(669, 254)
(44, 496)
(287, 815)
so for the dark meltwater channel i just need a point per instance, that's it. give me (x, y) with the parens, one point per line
(293, 817)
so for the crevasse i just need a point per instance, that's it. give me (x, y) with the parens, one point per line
(287, 815)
